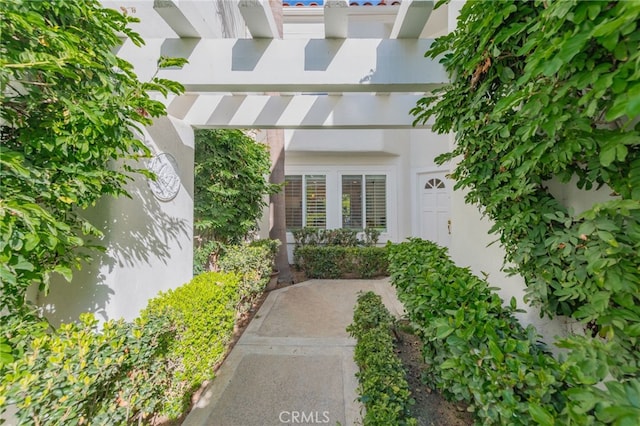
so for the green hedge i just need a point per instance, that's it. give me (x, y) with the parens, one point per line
(203, 314)
(478, 351)
(383, 388)
(253, 264)
(80, 374)
(339, 262)
(123, 372)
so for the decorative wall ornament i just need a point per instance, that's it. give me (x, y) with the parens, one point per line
(167, 184)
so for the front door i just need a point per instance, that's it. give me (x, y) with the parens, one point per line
(434, 215)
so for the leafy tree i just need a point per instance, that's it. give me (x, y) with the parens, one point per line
(69, 110)
(231, 171)
(544, 90)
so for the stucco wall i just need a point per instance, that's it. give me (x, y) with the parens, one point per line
(148, 242)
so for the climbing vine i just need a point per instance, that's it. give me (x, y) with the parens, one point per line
(549, 92)
(69, 107)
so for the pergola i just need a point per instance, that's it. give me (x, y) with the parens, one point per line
(263, 81)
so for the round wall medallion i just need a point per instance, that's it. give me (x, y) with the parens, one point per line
(167, 184)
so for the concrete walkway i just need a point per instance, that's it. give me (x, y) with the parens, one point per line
(294, 363)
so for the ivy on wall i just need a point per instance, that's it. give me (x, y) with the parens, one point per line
(550, 91)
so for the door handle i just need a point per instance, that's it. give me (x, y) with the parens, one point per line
(449, 226)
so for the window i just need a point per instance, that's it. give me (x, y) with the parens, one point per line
(352, 202)
(293, 201)
(305, 201)
(376, 201)
(364, 203)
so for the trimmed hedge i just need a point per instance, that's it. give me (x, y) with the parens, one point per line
(337, 261)
(79, 375)
(480, 354)
(203, 314)
(253, 264)
(123, 372)
(383, 388)
(478, 351)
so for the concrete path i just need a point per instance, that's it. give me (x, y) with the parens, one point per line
(294, 363)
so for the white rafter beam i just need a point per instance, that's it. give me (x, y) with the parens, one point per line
(293, 65)
(190, 18)
(336, 18)
(412, 18)
(350, 111)
(175, 18)
(258, 16)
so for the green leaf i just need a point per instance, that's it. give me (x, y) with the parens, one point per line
(495, 351)
(540, 415)
(608, 155)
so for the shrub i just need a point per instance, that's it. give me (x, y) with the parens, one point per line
(479, 353)
(78, 375)
(205, 256)
(253, 264)
(335, 237)
(338, 262)
(383, 388)
(203, 314)
(271, 245)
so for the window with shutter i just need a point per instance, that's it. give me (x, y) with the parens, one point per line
(376, 201)
(316, 196)
(352, 201)
(293, 201)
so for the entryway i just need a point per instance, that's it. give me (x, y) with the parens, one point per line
(434, 207)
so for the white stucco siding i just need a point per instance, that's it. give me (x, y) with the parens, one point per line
(148, 242)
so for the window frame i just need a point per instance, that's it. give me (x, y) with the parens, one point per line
(334, 173)
(304, 212)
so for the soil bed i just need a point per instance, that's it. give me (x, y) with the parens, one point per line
(430, 409)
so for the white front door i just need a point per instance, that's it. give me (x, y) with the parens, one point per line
(434, 207)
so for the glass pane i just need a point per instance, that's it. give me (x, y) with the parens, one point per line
(376, 201)
(352, 201)
(293, 201)
(316, 196)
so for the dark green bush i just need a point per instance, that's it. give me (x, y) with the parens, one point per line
(203, 314)
(383, 388)
(481, 354)
(339, 262)
(478, 351)
(79, 375)
(253, 264)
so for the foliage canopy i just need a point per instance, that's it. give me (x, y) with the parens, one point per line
(69, 110)
(231, 171)
(550, 91)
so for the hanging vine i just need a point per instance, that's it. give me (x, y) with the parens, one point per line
(550, 91)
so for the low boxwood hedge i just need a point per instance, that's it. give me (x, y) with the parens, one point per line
(383, 388)
(333, 262)
(122, 372)
(479, 353)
